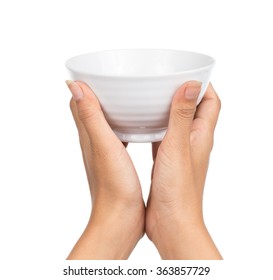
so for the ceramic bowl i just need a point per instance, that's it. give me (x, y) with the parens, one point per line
(135, 86)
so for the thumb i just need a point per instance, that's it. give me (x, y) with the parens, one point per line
(182, 112)
(90, 113)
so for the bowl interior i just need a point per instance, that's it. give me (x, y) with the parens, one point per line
(138, 62)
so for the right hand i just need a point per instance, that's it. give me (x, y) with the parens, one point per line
(174, 218)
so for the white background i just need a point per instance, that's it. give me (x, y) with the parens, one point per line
(44, 198)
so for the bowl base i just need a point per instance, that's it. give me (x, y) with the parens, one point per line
(155, 136)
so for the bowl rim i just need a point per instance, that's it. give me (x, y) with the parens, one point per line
(171, 74)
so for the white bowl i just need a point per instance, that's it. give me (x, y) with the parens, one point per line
(135, 86)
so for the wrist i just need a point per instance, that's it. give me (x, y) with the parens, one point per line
(168, 238)
(109, 237)
(185, 241)
(114, 240)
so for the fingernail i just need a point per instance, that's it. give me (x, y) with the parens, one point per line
(75, 89)
(192, 90)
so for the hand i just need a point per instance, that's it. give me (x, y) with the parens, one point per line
(174, 219)
(117, 220)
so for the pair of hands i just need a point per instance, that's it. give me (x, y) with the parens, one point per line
(173, 218)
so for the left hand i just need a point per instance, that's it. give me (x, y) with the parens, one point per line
(117, 219)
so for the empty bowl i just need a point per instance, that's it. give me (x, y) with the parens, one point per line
(135, 86)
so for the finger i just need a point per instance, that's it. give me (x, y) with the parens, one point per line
(202, 132)
(91, 116)
(182, 113)
(84, 142)
(79, 124)
(209, 109)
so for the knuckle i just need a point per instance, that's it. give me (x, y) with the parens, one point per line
(72, 105)
(185, 113)
(202, 138)
(219, 103)
(87, 114)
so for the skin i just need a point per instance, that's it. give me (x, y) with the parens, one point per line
(117, 218)
(173, 218)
